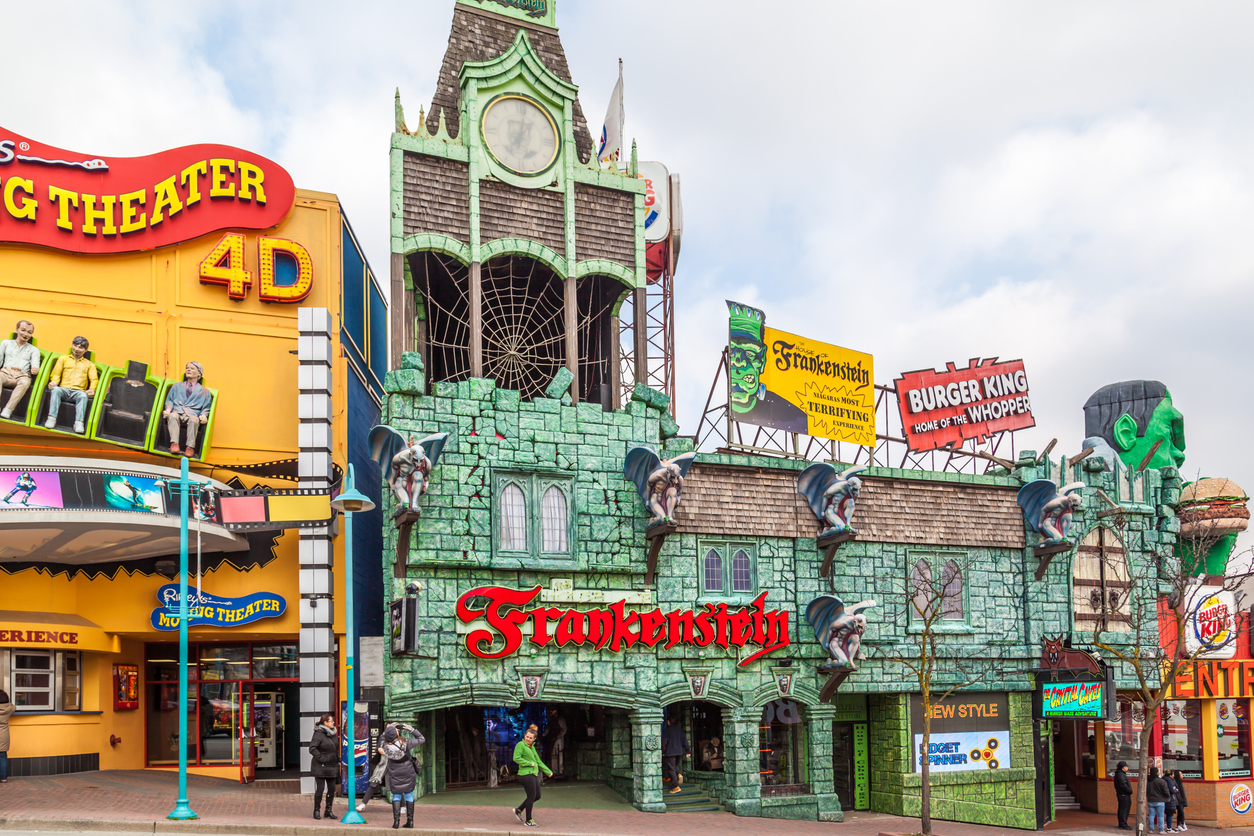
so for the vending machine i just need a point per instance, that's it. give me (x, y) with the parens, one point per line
(268, 727)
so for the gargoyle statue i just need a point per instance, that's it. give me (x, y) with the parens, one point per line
(1048, 508)
(838, 629)
(831, 495)
(405, 462)
(659, 482)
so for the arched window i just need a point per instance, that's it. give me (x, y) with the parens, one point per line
(921, 590)
(951, 591)
(553, 511)
(513, 519)
(742, 572)
(713, 568)
(781, 749)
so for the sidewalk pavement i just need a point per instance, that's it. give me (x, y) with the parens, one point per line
(138, 801)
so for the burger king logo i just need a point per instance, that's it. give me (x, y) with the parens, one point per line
(1241, 799)
(1212, 623)
(1239, 710)
(1223, 711)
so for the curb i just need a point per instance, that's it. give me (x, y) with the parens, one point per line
(205, 827)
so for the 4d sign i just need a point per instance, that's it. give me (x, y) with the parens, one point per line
(614, 628)
(50, 197)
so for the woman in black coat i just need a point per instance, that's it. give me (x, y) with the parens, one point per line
(402, 776)
(1182, 800)
(325, 752)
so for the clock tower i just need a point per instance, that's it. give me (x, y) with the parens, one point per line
(513, 250)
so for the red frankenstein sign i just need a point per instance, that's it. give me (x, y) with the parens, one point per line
(939, 409)
(614, 627)
(51, 197)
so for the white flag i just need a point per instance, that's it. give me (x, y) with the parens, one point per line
(612, 131)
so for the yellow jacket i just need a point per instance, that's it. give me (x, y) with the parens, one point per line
(74, 374)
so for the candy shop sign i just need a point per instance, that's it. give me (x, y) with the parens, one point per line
(615, 628)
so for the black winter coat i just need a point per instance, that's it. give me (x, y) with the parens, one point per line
(401, 774)
(1174, 800)
(1158, 791)
(325, 752)
(1181, 798)
(1123, 786)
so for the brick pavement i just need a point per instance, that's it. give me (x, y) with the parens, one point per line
(138, 801)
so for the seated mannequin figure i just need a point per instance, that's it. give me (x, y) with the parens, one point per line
(19, 365)
(187, 404)
(74, 378)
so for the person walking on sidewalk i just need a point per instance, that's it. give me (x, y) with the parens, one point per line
(1182, 800)
(6, 710)
(378, 774)
(1156, 795)
(402, 774)
(325, 751)
(1123, 792)
(674, 744)
(529, 768)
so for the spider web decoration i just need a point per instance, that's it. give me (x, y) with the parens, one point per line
(524, 324)
(596, 297)
(443, 298)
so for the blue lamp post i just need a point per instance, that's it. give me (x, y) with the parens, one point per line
(349, 502)
(182, 810)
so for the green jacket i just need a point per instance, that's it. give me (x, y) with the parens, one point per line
(528, 760)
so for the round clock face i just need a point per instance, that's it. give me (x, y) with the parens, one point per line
(520, 134)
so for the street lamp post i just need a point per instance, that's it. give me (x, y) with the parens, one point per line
(182, 810)
(350, 502)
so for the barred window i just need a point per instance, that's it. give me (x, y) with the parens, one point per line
(713, 571)
(553, 509)
(951, 591)
(921, 590)
(513, 519)
(742, 572)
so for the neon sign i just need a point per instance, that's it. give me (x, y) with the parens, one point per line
(1064, 700)
(614, 628)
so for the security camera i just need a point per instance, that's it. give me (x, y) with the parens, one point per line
(413, 587)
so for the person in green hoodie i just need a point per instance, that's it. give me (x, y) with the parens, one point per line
(529, 768)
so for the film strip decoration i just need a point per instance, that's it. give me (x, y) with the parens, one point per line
(317, 558)
(268, 509)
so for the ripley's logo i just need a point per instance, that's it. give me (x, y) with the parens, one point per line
(614, 628)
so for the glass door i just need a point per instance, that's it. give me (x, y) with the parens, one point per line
(219, 722)
(842, 763)
(247, 736)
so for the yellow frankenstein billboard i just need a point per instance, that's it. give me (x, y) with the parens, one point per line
(796, 384)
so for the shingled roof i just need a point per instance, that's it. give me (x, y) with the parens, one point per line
(480, 36)
(729, 500)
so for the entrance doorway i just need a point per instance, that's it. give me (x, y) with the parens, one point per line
(479, 742)
(842, 763)
(240, 706)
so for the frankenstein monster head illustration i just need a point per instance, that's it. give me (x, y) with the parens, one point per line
(746, 355)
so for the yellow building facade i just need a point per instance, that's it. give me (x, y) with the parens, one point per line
(89, 522)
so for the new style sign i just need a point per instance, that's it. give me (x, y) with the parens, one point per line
(796, 384)
(614, 628)
(204, 610)
(50, 197)
(968, 731)
(946, 408)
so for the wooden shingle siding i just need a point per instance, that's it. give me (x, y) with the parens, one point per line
(507, 211)
(604, 225)
(476, 36)
(437, 196)
(762, 502)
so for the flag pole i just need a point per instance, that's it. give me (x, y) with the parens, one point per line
(621, 112)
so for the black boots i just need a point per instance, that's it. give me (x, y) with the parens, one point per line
(409, 814)
(327, 812)
(396, 813)
(317, 805)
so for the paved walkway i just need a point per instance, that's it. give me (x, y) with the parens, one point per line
(138, 801)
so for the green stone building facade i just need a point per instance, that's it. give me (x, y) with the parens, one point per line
(508, 282)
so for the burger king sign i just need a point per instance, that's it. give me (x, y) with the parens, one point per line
(1241, 799)
(1210, 626)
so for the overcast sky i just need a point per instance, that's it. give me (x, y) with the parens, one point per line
(1069, 183)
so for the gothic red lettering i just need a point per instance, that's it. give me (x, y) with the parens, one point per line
(614, 628)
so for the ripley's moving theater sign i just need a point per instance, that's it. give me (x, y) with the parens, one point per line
(50, 197)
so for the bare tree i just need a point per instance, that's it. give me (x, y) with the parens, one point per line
(934, 598)
(1142, 630)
